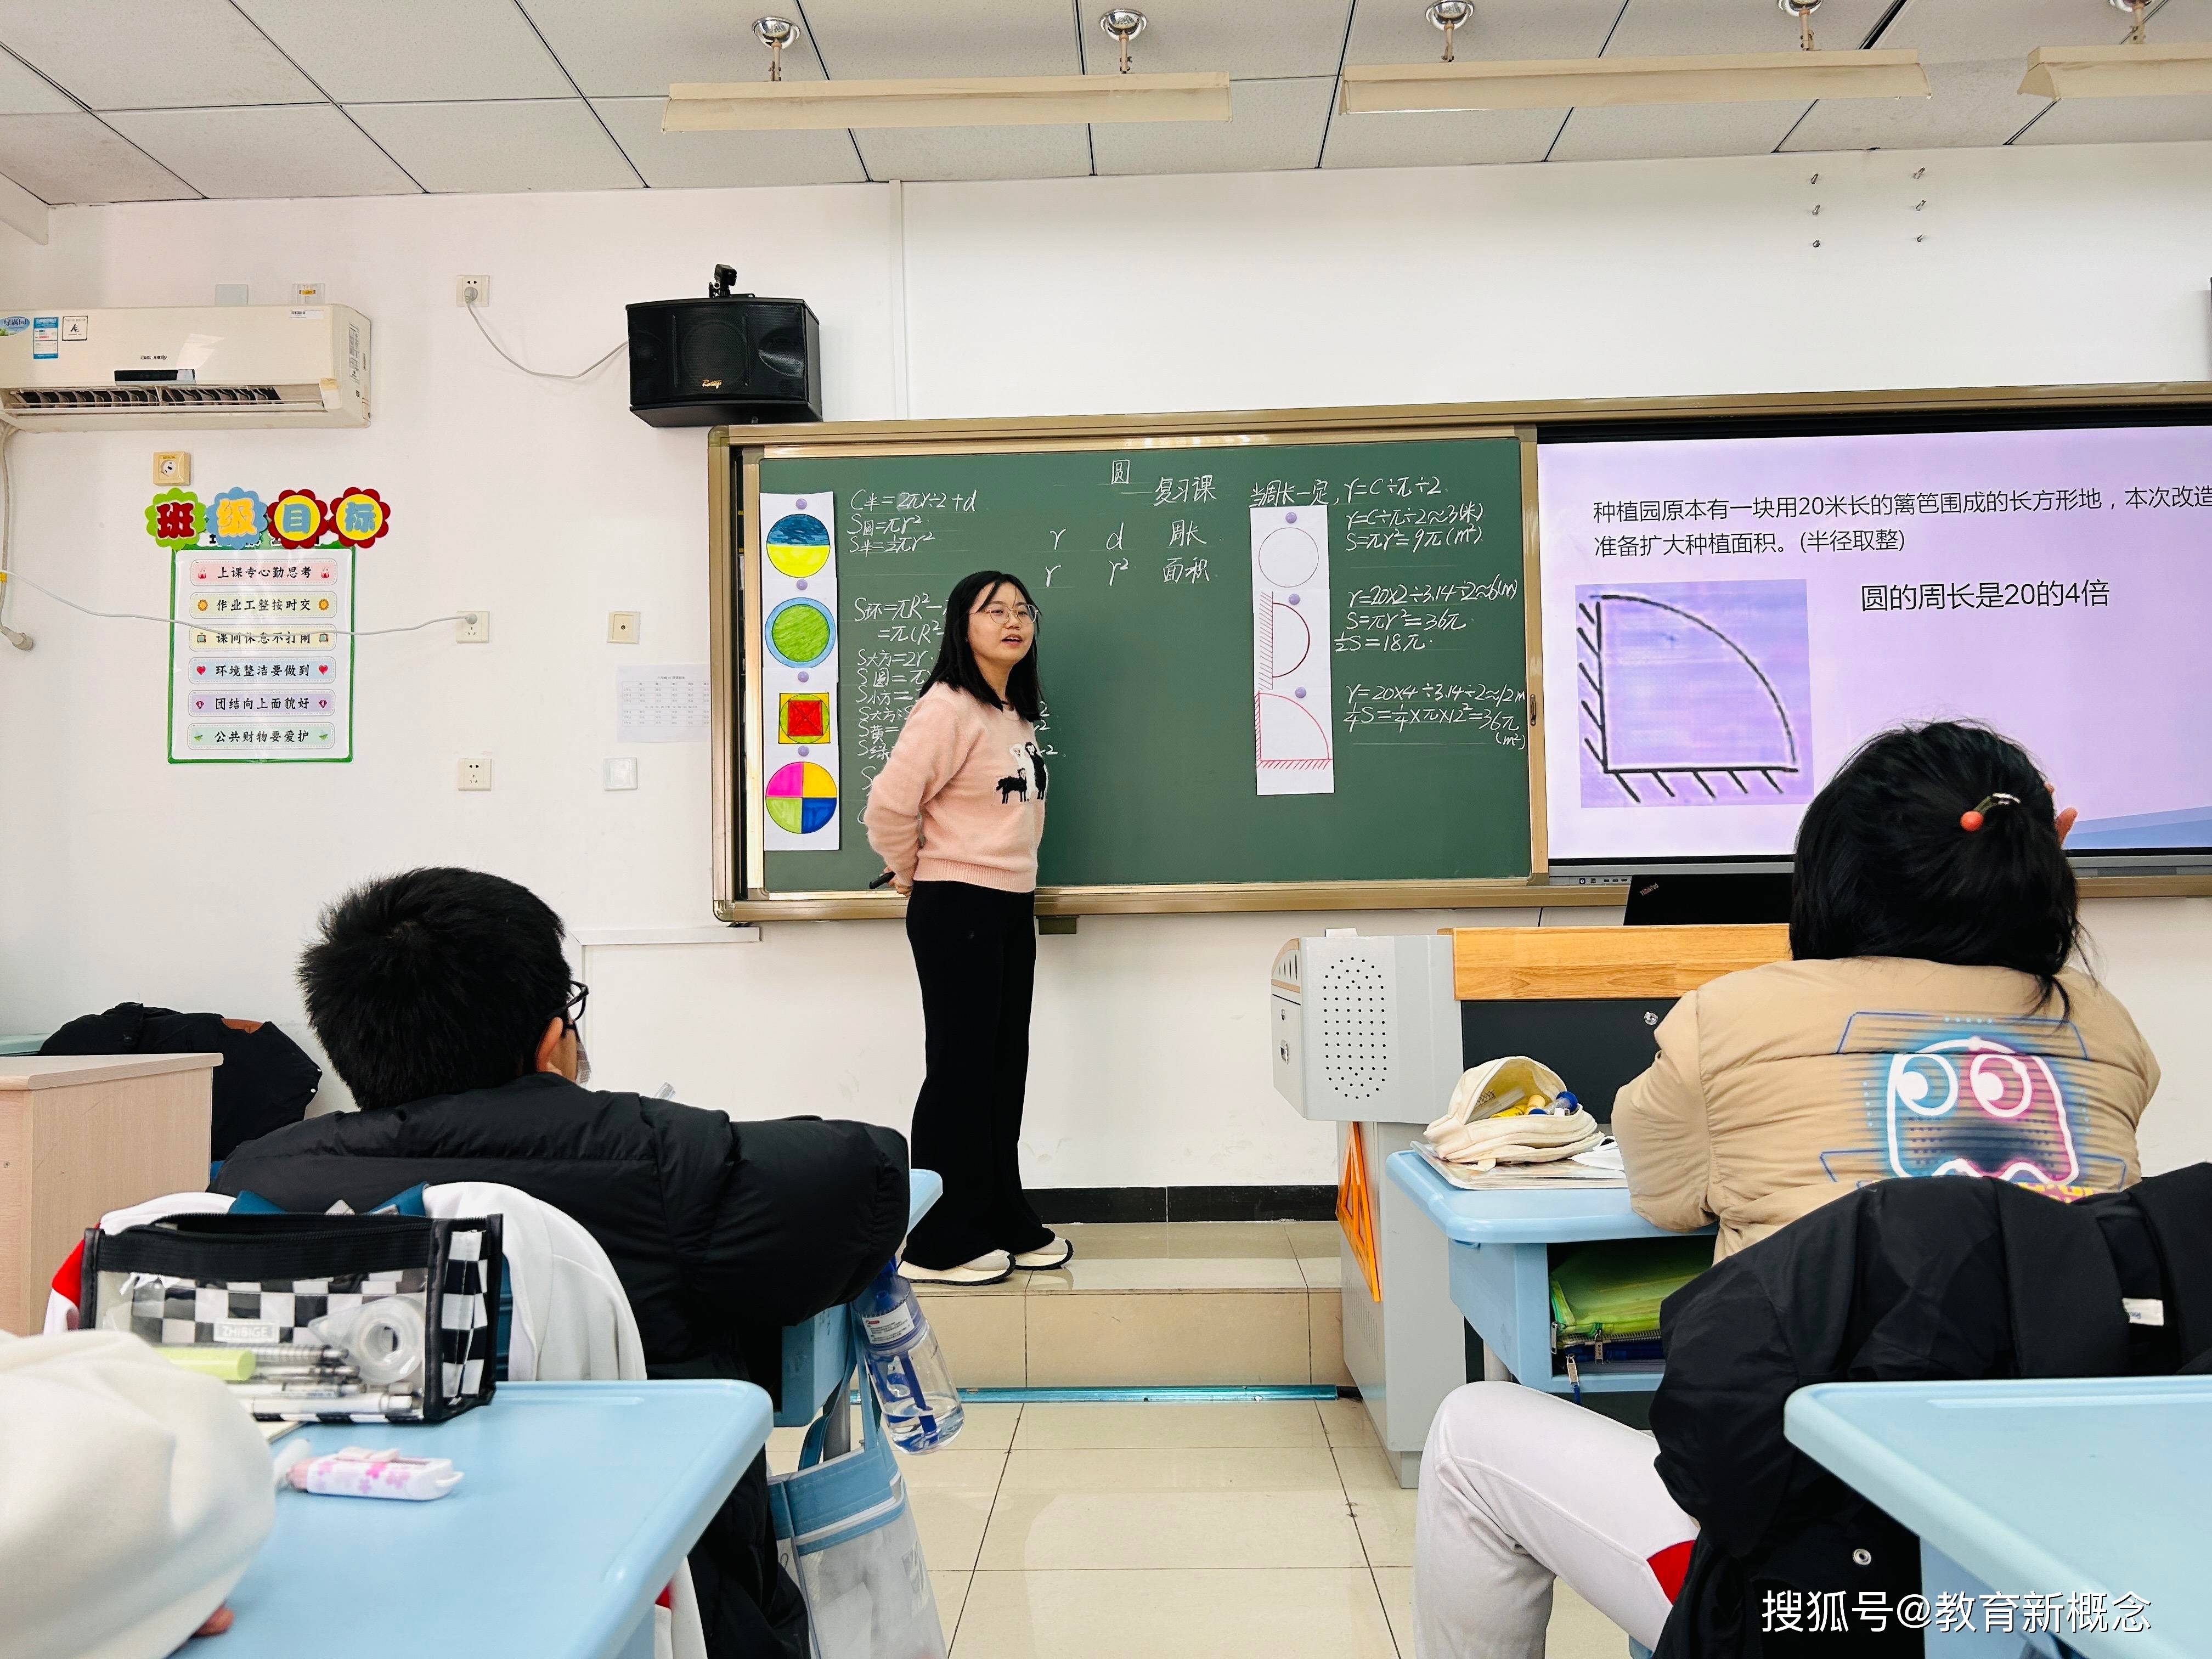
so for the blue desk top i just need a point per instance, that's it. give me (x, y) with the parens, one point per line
(1540, 1217)
(2097, 1485)
(580, 1498)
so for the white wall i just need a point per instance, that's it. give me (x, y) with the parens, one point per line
(121, 876)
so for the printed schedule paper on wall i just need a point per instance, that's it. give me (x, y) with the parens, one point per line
(1725, 620)
(262, 671)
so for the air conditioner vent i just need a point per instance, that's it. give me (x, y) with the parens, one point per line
(43, 398)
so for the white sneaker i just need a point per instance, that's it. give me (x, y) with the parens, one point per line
(987, 1269)
(1054, 1253)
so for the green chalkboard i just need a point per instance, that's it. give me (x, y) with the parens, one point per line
(1144, 561)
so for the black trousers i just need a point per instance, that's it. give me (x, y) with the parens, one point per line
(974, 950)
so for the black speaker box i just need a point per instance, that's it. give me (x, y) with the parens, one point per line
(724, 361)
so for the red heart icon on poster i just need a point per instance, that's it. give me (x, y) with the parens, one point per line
(200, 668)
(322, 668)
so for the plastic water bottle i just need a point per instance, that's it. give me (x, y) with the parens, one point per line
(921, 1409)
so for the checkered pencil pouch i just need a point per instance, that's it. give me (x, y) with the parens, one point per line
(313, 1318)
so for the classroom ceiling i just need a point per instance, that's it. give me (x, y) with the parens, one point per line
(119, 101)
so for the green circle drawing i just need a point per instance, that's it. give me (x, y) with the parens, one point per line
(799, 632)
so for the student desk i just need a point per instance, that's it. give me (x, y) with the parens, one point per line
(1500, 1265)
(2096, 1485)
(580, 1499)
(818, 1355)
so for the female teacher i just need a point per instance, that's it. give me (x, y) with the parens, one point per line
(957, 814)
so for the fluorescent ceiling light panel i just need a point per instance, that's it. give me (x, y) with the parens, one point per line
(999, 101)
(2144, 71)
(1567, 82)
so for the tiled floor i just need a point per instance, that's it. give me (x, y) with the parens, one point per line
(1179, 1531)
(1151, 1303)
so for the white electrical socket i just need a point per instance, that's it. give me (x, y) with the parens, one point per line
(476, 772)
(473, 629)
(622, 627)
(620, 772)
(473, 291)
(172, 466)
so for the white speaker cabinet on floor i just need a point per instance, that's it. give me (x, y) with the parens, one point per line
(1367, 1034)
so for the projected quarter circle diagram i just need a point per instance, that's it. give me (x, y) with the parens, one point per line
(1695, 694)
(800, 633)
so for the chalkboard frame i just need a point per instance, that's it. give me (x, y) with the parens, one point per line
(734, 454)
(742, 892)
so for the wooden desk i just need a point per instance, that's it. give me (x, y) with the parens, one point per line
(82, 1134)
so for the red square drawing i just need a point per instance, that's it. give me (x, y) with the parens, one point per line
(802, 717)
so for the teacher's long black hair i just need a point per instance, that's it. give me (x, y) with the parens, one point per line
(956, 658)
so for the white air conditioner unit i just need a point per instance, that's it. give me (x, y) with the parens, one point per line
(184, 366)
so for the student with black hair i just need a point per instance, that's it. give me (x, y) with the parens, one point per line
(1927, 1022)
(443, 999)
(956, 815)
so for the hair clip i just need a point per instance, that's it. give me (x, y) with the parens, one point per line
(1975, 816)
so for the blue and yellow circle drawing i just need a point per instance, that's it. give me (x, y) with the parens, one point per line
(801, 797)
(800, 633)
(799, 544)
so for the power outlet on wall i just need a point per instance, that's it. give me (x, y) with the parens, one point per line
(172, 466)
(472, 290)
(476, 772)
(474, 628)
(622, 627)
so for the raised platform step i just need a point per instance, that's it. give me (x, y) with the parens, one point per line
(1156, 1303)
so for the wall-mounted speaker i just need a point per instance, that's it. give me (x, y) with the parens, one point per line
(726, 360)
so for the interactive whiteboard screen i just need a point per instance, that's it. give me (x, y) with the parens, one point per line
(1725, 619)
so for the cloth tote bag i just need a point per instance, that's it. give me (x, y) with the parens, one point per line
(846, 1534)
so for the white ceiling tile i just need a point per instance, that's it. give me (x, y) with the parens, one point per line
(1668, 28)
(685, 160)
(127, 54)
(639, 48)
(1439, 138)
(491, 147)
(264, 151)
(1399, 32)
(1277, 125)
(77, 158)
(2123, 121)
(1283, 38)
(868, 40)
(920, 153)
(23, 91)
(1652, 131)
(391, 52)
(1973, 104)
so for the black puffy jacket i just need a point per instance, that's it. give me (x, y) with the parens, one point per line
(722, 1233)
(1901, 1281)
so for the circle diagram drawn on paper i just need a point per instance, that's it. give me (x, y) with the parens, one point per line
(802, 798)
(1288, 555)
(799, 633)
(1293, 642)
(799, 543)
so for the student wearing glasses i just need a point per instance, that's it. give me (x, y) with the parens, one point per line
(956, 815)
(443, 999)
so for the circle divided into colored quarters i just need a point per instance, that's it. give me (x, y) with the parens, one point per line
(799, 544)
(800, 633)
(802, 798)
